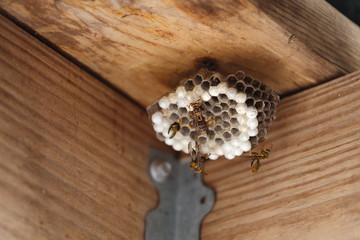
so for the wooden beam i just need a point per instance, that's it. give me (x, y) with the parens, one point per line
(73, 152)
(149, 46)
(309, 188)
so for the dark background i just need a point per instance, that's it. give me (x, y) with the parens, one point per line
(350, 8)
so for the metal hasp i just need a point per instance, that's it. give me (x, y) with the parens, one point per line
(183, 200)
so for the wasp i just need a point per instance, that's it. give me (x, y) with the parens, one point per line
(256, 157)
(197, 159)
(198, 120)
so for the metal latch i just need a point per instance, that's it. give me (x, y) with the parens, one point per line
(183, 200)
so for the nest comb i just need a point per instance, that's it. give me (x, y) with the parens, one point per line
(240, 108)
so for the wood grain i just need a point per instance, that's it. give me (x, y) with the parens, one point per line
(73, 152)
(149, 46)
(309, 188)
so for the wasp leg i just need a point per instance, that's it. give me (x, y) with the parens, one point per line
(174, 128)
(255, 165)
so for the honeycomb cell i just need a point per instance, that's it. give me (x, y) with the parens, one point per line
(185, 120)
(240, 86)
(197, 80)
(173, 107)
(202, 139)
(223, 97)
(211, 134)
(231, 80)
(249, 91)
(256, 83)
(219, 141)
(216, 110)
(234, 121)
(232, 111)
(248, 80)
(259, 105)
(218, 129)
(218, 120)
(240, 75)
(232, 103)
(214, 81)
(250, 102)
(214, 100)
(205, 85)
(227, 135)
(257, 94)
(185, 131)
(174, 117)
(182, 111)
(224, 106)
(193, 135)
(189, 85)
(235, 131)
(226, 125)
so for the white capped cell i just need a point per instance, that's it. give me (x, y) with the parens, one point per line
(180, 92)
(169, 141)
(252, 123)
(241, 108)
(219, 151)
(244, 136)
(205, 96)
(172, 98)
(253, 132)
(198, 91)
(242, 119)
(227, 147)
(213, 156)
(178, 146)
(238, 151)
(229, 156)
(183, 102)
(165, 123)
(245, 146)
(251, 112)
(165, 133)
(236, 142)
(205, 149)
(240, 97)
(156, 118)
(231, 93)
(214, 91)
(222, 87)
(158, 128)
(164, 102)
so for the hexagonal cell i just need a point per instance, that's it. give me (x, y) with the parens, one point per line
(207, 105)
(267, 105)
(235, 131)
(256, 83)
(193, 135)
(226, 125)
(231, 80)
(234, 121)
(205, 85)
(249, 90)
(197, 80)
(218, 120)
(218, 129)
(209, 114)
(250, 102)
(185, 120)
(227, 135)
(264, 95)
(216, 110)
(232, 111)
(182, 111)
(174, 117)
(202, 139)
(240, 75)
(259, 105)
(211, 134)
(189, 85)
(261, 116)
(185, 131)
(232, 103)
(224, 106)
(248, 80)
(240, 86)
(219, 141)
(214, 100)
(214, 80)
(257, 94)
(173, 107)
(223, 97)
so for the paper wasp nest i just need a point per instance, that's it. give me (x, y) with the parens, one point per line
(238, 111)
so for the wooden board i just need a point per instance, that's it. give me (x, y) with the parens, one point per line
(73, 153)
(309, 188)
(146, 47)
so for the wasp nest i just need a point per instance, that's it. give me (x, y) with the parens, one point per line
(237, 111)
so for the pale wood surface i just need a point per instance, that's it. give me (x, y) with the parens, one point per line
(73, 153)
(147, 46)
(309, 188)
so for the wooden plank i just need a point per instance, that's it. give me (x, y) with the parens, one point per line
(73, 152)
(309, 188)
(149, 46)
